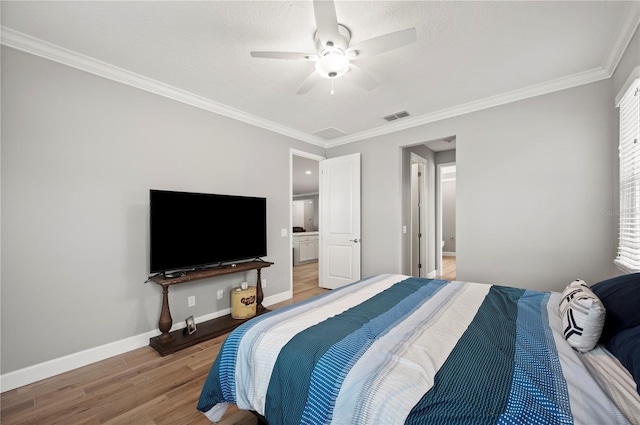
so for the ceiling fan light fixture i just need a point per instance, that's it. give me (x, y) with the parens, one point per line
(335, 53)
(332, 64)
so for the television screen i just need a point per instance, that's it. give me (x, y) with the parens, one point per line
(195, 230)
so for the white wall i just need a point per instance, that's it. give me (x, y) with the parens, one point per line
(534, 183)
(79, 155)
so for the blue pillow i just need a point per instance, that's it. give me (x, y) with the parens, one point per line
(621, 298)
(626, 347)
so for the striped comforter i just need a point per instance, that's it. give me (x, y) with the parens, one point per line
(393, 349)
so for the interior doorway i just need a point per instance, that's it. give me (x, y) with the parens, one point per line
(304, 214)
(446, 222)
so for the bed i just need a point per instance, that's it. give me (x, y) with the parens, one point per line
(395, 349)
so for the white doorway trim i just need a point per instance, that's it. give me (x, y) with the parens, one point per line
(292, 153)
(439, 173)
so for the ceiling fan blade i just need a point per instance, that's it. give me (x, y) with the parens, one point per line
(382, 44)
(285, 55)
(360, 78)
(309, 83)
(326, 21)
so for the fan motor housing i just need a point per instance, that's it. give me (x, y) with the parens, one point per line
(342, 43)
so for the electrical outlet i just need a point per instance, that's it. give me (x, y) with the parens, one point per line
(191, 300)
(220, 294)
(264, 283)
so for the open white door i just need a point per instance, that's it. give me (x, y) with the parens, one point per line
(339, 221)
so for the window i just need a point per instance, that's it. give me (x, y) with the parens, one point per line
(628, 258)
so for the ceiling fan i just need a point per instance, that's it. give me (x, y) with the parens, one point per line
(334, 56)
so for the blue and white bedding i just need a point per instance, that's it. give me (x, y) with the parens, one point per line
(394, 349)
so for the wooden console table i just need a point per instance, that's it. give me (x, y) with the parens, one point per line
(170, 342)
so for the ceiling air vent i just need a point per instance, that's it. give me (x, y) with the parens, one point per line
(396, 116)
(330, 133)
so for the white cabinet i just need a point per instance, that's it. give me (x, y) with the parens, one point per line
(305, 247)
(308, 249)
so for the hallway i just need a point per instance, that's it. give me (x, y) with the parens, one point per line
(448, 268)
(305, 282)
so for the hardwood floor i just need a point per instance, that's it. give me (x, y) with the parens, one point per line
(448, 268)
(138, 387)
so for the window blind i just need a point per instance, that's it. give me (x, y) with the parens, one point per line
(628, 257)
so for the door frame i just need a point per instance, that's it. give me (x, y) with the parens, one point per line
(292, 153)
(422, 217)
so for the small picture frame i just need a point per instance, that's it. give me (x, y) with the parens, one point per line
(191, 325)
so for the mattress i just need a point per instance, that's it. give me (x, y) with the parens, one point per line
(395, 349)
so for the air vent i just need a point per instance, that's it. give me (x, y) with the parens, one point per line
(396, 116)
(330, 133)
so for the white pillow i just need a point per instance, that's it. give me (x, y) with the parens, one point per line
(582, 316)
(570, 291)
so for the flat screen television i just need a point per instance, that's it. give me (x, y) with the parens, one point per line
(198, 230)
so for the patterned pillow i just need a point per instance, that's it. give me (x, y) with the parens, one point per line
(582, 316)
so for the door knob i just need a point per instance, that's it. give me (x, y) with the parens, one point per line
(354, 240)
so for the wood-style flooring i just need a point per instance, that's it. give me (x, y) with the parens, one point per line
(138, 387)
(448, 268)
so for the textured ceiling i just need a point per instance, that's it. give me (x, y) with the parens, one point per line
(467, 54)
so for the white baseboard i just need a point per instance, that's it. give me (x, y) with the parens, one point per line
(53, 367)
(277, 298)
(37, 372)
(448, 253)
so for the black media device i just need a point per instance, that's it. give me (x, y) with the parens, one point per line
(197, 230)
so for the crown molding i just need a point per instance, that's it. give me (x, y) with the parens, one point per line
(26, 43)
(490, 102)
(624, 35)
(35, 46)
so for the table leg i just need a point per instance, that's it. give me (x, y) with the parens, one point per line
(259, 293)
(165, 322)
